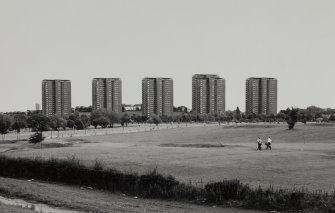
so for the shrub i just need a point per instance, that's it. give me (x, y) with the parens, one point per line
(226, 190)
(156, 185)
(37, 137)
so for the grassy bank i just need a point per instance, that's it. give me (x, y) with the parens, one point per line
(154, 185)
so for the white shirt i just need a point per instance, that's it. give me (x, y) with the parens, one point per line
(269, 140)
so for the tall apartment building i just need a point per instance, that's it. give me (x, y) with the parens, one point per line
(107, 94)
(157, 96)
(261, 96)
(56, 97)
(208, 94)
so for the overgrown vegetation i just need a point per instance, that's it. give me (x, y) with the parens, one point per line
(231, 193)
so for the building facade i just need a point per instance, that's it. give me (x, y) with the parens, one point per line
(261, 96)
(208, 94)
(107, 94)
(129, 107)
(56, 97)
(157, 96)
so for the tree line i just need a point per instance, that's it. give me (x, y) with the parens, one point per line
(38, 123)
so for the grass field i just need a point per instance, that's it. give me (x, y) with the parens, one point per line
(304, 157)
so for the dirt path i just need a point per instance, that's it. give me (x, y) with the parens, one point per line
(13, 209)
(90, 200)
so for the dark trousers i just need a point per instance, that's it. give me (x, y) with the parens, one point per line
(268, 146)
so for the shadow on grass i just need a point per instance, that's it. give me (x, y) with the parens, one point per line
(12, 141)
(49, 145)
(218, 145)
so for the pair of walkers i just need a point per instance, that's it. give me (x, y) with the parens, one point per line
(267, 143)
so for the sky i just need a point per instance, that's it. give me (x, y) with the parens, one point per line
(291, 40)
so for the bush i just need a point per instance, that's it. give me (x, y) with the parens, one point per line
(157, 185)
(225, 190)
(37, 137)
(230, 193)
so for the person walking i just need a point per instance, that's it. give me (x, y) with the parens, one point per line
(259, 143)
(268, 143)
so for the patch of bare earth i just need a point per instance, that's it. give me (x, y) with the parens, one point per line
(13, 209)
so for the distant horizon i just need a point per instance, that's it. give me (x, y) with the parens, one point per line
(290, 40)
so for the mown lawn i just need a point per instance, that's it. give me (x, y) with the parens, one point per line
(304, 157)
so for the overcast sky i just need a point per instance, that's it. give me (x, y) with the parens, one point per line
(291, 40)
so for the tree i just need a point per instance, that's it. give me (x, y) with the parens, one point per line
(5, 125)
(203, 118)
(56, 123)
(38, 122)
(71, 124)
(302, 116)
(18, 125)
(101, 118)
(78, 124)
(155, 119)
(292, 117)
(125, 119)
(281, 116)
(229, 115)
(144, 118)
(61, 123)
(271, 118)
(138, 119)
(220, 118)
(314, 111)
(113, 117)
(176, 118)
(83, 109)
(95, 123)
(86, 121)
(96, 114)
(74, 116)
(332, 118)
(261, 117)
(20, 122)
(53, 124)
(238, 116)
(102, 121)
(210, 118)
(186, 117)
